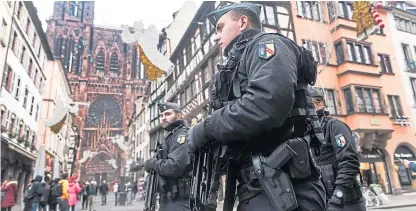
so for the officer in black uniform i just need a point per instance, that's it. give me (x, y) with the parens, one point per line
(175, 167)
(261, 78)
(338, 159)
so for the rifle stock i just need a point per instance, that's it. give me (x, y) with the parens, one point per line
(207, 170)
(151, 188)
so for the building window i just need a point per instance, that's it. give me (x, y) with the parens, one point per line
(413, 84)
(385, 64)
(16, 91)
(318, 50)
(405, 25)
(396, 110)
(345, 9)
(8, 79)
(114, 62)
(3, 28)
(331, 102)
(23, 54)
(368, 100)
(409, 61)
(26, 96)
(356, 52)
(267, 15)
(27, 26)
(32, 105)
(340, 53)
(15, 42)
(37, 113)
(100, 60)
(19, 11)
(309, 10)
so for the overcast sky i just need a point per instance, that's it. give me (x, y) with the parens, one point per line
(117, 12)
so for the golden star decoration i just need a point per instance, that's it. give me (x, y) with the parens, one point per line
(362, 16)
(151, 70)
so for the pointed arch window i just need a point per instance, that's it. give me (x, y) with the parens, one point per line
(134, 64)
(114, 62)
(79, 52)
(99, 63)
(58, 46)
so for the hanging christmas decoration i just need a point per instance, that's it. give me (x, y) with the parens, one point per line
(146, 40)
(368, 19)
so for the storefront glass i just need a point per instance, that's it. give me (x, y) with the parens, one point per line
(374, 171)
(407, 177)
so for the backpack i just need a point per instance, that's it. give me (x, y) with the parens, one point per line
(56, 190)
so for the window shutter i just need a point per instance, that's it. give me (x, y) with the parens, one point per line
(338, 102)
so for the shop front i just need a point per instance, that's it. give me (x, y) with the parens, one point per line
(407, 177)
(374, 170)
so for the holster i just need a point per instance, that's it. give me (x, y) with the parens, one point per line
(184, 187)
(275, 182)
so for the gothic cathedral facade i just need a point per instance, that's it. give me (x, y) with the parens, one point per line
(103, 71)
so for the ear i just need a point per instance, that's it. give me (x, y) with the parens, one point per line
(179, 115)
(243, 23)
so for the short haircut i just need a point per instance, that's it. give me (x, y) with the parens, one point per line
(64, 176)
(251, 16)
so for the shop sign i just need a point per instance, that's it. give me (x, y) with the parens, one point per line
(373, 155)
(403, 152)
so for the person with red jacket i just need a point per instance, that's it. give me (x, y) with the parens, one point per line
(9, 188)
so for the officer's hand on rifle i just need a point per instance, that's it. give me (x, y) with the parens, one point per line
(149, 164)
(136, 167)
(197, 137)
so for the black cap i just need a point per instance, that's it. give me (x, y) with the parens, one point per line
(215, 15)
(316, 92)
(166, 106)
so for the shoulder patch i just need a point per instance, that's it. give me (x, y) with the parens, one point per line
(340, 139)
(181, 139)
(266, 49)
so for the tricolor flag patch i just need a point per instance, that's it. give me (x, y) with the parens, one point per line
(266, 50)
(340, 139)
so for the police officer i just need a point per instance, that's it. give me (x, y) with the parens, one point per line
(174, 166)
(338, 159)
(262, 79)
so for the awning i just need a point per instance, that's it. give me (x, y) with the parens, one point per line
(19, 149)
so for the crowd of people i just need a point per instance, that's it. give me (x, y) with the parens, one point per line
(61, 194)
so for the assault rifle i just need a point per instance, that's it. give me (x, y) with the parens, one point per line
(152, 185)
(208, 163)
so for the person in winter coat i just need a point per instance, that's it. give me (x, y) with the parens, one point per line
(115, 192)
(103, 191)
(27, 202)
(73, 191)
(84, 196)
(9, 188)
(53, 200)
(46, 193)
(36, 192)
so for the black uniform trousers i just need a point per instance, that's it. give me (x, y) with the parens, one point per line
(310, 196)
(175, 205)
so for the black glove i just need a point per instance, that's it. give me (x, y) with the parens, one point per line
(149, 164)
(136, 167)
(197, 137)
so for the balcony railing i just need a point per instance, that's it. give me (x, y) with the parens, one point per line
(411, 65)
